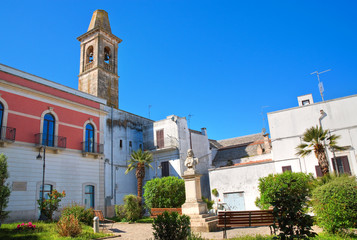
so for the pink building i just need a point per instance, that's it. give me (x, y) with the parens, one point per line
(37, 114)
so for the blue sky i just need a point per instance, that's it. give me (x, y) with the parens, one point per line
(220, 61)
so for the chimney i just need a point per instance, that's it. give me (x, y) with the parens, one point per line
(267, 147)
(204, 131)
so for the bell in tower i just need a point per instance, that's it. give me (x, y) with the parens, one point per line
(98, 72)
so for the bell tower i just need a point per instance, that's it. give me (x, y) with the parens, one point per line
(98, 71)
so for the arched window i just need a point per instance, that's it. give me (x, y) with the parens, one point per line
(106, 54)
(89, 138)
(1, 116)
(48, 130)
(47, 190)
(90, 54)
(89, 196)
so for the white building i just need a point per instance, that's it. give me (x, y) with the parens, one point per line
(239, 163)
(171, 138)
(287, 126)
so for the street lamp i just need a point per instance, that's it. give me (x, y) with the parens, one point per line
(39, 157)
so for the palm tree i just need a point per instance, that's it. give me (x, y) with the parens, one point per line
(139, 160)
(316, 139)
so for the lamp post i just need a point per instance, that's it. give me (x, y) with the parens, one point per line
(39, 157)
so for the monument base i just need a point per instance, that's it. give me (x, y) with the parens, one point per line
(195, 208)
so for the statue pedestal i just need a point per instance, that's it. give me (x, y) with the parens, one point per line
(194, 207)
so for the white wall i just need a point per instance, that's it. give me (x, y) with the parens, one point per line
(127, 127)
(67, 170)
(286, 127)
(242, 178)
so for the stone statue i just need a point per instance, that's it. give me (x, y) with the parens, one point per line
(190, 162)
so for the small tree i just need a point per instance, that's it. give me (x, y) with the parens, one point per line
(139, 160)
(288, 193)
(50, 205)
(315, 139)
(4, 188)
(166, 192)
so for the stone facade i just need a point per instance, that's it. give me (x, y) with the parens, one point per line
(98, 73)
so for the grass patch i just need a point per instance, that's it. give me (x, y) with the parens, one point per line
(44, 231)
(321, 236)
(145, 220)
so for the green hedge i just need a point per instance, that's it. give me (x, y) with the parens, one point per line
(335, 204)
(167, 192)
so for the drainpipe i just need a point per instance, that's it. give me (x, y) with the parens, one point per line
(111, 154)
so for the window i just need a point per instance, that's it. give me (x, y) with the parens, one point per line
(121, 143)
(286, 168)
(130, 144)
(141, 146)
(106, 54)
(342, 165)
(89, 196)
(318, 171)
(305, 102)
(48, 130)
(160, 138)
(165, 169)
(1, 117)
(90, 54)
(89, 141)
(47, 190)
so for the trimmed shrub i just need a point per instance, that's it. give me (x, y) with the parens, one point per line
(288, 193)
(120, 211)
(133, 208)
(335, 204)
(83, 215)
(69, 226)
(208, 202)
(270, 185)
(215, 192)
(167, 192)
(171, 226)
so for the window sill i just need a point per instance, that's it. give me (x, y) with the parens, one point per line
(95, 155)
(53, 149)
(5, 142)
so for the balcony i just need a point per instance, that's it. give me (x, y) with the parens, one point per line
(7, 135)
(88, 66)
(108, 67)
(50, 141)
(92, 148)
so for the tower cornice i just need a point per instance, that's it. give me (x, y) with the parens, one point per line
(98, 30)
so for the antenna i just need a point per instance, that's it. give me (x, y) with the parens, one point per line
(149, 110)
(263, 119)
(189, 127)
(189, 120)
(321, 86)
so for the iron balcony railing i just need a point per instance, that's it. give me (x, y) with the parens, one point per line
(92, 147)
(50, 140)
(7, 134)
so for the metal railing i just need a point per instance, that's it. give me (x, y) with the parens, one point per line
(50, 140)
(92, 147)
(7, 134)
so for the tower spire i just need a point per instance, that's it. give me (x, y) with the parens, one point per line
(100, 19)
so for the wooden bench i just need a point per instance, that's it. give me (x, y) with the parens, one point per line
(102, 220)
(158, 211)
(245, 219)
